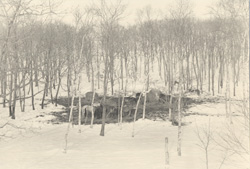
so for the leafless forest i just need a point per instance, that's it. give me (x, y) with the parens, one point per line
(38, 49)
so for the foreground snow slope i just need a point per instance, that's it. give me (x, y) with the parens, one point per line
(44, 148)
(40, 145)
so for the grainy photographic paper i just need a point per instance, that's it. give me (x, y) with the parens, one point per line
(124, 84)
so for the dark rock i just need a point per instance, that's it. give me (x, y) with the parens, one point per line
(89, 96)
(153, 95)
(164, 98)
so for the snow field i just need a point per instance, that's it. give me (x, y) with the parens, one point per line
(40, 145)
(117, 149)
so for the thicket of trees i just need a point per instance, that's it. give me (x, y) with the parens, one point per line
(36, 52)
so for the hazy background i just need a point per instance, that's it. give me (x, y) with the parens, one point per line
(159, 8)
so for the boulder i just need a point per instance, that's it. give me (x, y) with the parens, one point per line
(164, 98)
(153, 95)
(89, 96)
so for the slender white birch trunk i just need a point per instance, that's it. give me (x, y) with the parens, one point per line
(144, 106)
(80, 114)
(179, 112)
(92, 110)
(166, 153)
(121, 112)
(170, 107)
(70, 122)
(133, 132)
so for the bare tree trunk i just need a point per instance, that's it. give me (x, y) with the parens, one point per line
(222, 73)
(144, 106)
(170, 74)
(170, 116)
(201, 79)
(196, 74)
(147, 87)
(92, 110)
(183, 77)
(51, 88)
(14, 98)
(36, 76)
(121, 111)
(165, 71)
(4, 88)
(136, 58)
(87, 70)
(24, 91)
(229, 95)
(122, 71)
(209, 68)
(213, 73)
(112, 76)
(98, 69)
(218, 83)
(20, 93)
(31, 86)
(234, 78)
(220, 77)
(179, 115)
(140, 65)
(159, 64)
(104, 97)
(227, 90)
(70, 122)
(92, 78)
(58, 87)
(119, 102)
(166, 153)
(188, 72)
(44, 94)
(245, 100)
(69, 82)
(238, 73)
(133, 132)
(79, 114)
(127, 76)
(118, 107)
(10, 95)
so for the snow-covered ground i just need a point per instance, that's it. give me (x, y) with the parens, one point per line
(40, 145)
(31, 142)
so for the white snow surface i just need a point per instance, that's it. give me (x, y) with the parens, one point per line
(39, 145)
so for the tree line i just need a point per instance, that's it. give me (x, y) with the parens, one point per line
(37, 54)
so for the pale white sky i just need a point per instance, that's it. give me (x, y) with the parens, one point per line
(160, 7)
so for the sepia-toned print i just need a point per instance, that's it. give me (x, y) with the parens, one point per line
(124, 84)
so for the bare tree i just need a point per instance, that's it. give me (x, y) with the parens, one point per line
(13, 13)
(181, 15)
(205, 136)
(109, 16)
